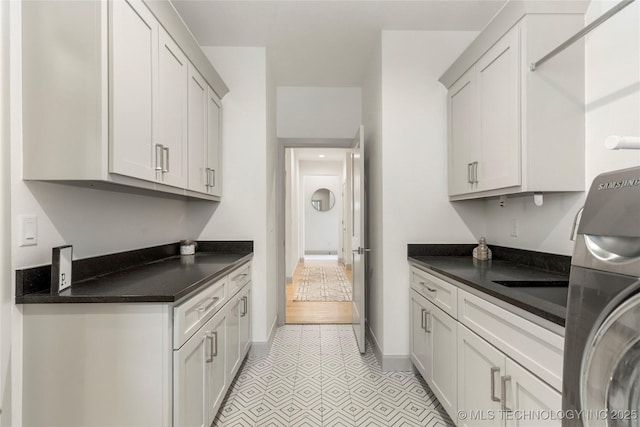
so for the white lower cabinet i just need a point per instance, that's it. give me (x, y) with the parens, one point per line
(433, 349)
(199, 376)
(487, 366)
(495, 390)
(136, 364)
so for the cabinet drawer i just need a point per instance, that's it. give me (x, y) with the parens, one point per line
(239, 278)
(534, 347)
(189, 316)
(436, 290)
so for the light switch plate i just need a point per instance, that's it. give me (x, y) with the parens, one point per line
(61, 262)
(28, 230)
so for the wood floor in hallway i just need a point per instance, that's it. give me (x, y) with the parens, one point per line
(316, 312)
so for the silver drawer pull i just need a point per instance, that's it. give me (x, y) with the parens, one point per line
(494, 370)
(431, 289)
(239, 276)
(422, 321)
(205, 307)
(207, 177)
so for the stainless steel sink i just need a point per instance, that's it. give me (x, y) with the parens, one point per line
(533, 283)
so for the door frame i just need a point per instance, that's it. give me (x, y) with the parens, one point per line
(282, 145)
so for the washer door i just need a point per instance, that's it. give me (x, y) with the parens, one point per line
(610, 374)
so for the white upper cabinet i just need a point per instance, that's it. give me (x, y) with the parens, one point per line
(171, 117)
(197, 131)
(214, 143)
(497, 76)
(512, 130)
(126, 98)
(134, 58)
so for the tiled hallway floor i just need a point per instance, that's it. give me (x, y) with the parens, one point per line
(315, 376)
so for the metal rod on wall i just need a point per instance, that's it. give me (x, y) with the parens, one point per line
(617, 8)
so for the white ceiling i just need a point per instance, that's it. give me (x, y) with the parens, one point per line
(313, 154)
(324, 42)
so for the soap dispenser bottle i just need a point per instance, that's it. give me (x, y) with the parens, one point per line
(482, 251)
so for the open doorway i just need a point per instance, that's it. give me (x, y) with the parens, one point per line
(317, 235)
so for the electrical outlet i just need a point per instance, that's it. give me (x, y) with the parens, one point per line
(514, 228)
(28, 230)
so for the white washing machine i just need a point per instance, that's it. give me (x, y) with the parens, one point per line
(601, 377)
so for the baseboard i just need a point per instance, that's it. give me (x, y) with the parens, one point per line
(261, 348)
(321, 252)
(390, 362)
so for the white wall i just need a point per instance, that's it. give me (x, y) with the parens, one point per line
(612, 108)
(244, 213)
(411, 152)
(6, 304)
(272, 219)
(318, 112)
(321, 229)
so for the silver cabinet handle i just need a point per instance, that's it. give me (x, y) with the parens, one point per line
(469, 173)
(159, 156)
(207, 177)
(213, 177)
(503, 392)
(431, 289)
(244, 306)
(165, 159)
(494, 370)
(422, 321)
(214, 351)
(427, 326)
(475, 172)
(208, 337)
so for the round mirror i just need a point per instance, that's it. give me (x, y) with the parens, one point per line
(323, 200)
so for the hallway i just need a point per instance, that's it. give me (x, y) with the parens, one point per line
(303, 312)
(314, 376)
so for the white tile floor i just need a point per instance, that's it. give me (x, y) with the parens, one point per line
(315, 376)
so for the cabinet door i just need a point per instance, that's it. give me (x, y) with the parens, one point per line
(190, 377)
(480, 367)
(444, 349)
(214, 138)
(171, 115)
(245, 322)
(133, 54)
(419, 342)
(463, 134)
(217, 379)
(233, 334)
(197, 134)
(497, 79)
(533, 400)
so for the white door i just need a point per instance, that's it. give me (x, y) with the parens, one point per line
(419, 343)
(444, 366)
(173, 78)
(497, 84)
(197, 136)
(527, 394)
(215, 359)
(358, 242)
(190, 369)
(134, 63)
(480, 367)
(463, 135)
(214, 138)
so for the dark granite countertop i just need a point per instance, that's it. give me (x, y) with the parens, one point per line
(144, 279)
(548, 302)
